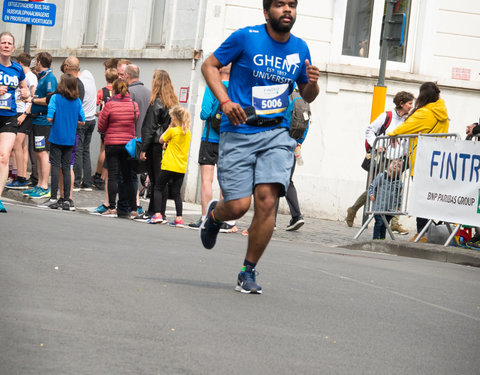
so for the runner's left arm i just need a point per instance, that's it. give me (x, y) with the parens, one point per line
(310, 90)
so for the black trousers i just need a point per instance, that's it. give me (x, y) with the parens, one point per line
(60, 157)
(291, 197)
(154, 164)
(119, 165)
(175, 181)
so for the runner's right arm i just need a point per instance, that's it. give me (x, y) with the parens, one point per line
(211, 72)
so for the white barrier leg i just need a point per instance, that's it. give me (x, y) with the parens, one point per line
(388, 227)
(363, 227)
(449, 240)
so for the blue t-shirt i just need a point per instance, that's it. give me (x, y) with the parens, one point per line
(66, 113)
(10, 76)
(46, 83)
(263, 73)
(209, 109)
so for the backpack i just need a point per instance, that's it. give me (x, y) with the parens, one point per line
(298, 115)
(382, 130)
(106, 95)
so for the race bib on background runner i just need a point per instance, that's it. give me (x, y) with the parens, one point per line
(6, 101)
(270, 99)
(39, 142)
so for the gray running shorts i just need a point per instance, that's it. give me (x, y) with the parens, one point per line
(246, 160)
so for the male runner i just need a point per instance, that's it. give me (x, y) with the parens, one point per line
(256, 151)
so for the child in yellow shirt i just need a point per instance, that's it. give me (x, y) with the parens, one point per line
(174, 165)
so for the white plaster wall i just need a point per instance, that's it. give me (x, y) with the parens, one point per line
(331, 178)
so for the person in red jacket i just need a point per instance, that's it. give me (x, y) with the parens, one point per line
(117, 121)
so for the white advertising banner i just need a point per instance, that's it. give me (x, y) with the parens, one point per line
(446, 181)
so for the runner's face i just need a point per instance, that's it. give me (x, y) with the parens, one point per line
(6, 45)
(282, 15)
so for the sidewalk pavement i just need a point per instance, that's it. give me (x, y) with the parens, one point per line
(315, 231)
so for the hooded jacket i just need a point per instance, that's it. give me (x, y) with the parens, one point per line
(430, 119)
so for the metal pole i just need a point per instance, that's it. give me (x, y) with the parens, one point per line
(28, 37)
(384, 47)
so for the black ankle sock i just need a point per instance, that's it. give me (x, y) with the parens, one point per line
(246, 263)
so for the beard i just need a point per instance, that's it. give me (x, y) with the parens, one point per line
(278, 27)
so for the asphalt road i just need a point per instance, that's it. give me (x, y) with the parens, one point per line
(81, 294)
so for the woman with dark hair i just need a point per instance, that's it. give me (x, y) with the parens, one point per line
(403, 104)
(155, 124)
(428, 116)
(117, 121)
(65, 112)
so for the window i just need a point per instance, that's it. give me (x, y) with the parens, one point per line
(363, 25)
(92, 23)
(116, 24)
(156, 23)
(358, 22)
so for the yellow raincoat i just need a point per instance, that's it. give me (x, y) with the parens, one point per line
(430, 119)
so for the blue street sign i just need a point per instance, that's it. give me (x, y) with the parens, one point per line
(31, 13)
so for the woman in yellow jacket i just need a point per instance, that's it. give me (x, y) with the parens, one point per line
(428, 116)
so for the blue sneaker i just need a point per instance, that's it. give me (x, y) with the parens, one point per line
(99, 210)
(140, 210)
(30, 191)
(2, 207)
(16, 184)
(209, 228)
(41, 193)
(246, 281)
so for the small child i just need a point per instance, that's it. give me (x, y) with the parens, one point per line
(174, 165)
(65, 112)
(386, 194)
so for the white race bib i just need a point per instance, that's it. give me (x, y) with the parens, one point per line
(6, 101)
(270, 99)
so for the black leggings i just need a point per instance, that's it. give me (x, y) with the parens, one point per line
(175, 181)
(118, 163)
(60, 156)
(154, 163)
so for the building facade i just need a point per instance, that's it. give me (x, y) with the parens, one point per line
(442, 44)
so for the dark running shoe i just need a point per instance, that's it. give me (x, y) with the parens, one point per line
(66, 205)
(195, 225)
(246, 282)
(144, 218)
(209, 228)
(295, 223)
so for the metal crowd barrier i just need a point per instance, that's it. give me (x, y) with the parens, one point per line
(389, 177)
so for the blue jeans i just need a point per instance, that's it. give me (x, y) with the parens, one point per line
(379, 229)
(83, 164)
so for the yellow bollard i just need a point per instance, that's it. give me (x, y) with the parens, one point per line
(378, 101)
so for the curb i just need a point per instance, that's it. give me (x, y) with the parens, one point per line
(438, 253)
